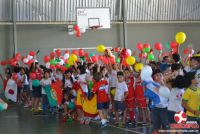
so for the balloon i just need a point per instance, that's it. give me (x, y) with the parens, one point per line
(185, 51)
(25, 60)
(66, 56)
(112, 60)
(52, 55)
(14, 76)
(86, 54)
(76, 27)
(3, 63)
(58, 52)
(146, 50)
(57, 66)
(94, 59)
(146, 46)
(32, 76)
(52, 67)
(74, 52)
(61, 62)
(32, 53)
(53, 62)
(101, 48)
(146, 72)
(13, 62)
(30, 57)
(117, 49)
(46, 59)
(91, 54)
(17, 59)
(180, 37)
(129, 52)
(130, 60)
(168, 46)
(158, 46)
(81, 52)
(63, 68)
(48, 65)
(73, 57)
(70, 62)
(67, 66)
(173, 44)
(140, 46)
(57, 60)
(78, 34)
(117, 60)
(164, 92)
(36, 83)
(138, 67)
(17, 55)
(151, 57)
(101, 57)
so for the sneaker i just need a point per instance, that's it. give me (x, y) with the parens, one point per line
(104, 125)
(26, 106)
(39, 109)
(5, 106)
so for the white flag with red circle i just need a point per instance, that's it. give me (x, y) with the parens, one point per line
(11, 90)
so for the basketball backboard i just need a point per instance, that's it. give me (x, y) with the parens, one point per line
(93, 17)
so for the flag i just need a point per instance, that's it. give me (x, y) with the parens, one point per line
(11, 90)
(54, 94)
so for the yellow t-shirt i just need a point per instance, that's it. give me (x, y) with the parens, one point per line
(192, 97)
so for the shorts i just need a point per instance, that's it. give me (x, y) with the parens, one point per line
(37, 92)
(171, 117)
(130, 103)
(26, 88)
(19, 90)
(104, 105)
(119, 105)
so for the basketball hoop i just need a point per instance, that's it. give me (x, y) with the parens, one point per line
(95, 27)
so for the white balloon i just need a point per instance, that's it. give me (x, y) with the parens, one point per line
(164, 92)
(129, 51)
(61, 62)
(48, 65)
(25, 60)
(146, 73)
(82, 30)
(30, 57)
(66, 56)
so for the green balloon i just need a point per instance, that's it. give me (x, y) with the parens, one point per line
(82, 58)
(67, 66)
(146, 50)
(71, 105)
(57, 60)
(117, 60)
(168, 46)
(36, 83)
(53, 62)
(91, 54)
(151, 57)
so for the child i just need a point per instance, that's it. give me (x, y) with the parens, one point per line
(68, 81)
(44, 82)
(120, 96)
(101, 89)
(130, 100)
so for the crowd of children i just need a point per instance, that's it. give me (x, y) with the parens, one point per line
(118, 90)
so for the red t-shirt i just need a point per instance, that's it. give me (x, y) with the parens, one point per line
(101, 89)
(130, 84)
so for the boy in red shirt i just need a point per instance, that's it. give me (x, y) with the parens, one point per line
(101, 89)
(130, 99)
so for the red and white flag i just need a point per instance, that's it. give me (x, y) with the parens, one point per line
(11, 90)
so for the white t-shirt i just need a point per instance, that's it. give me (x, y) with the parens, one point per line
(113, 78)
(25, 79)
(68, 83)
(120, 90)
(83, 84)
(45, 82)
(175, 100)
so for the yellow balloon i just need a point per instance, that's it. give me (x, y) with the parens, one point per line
(130, 60)
(101, 48)
(180, 37)
(70, 62)
(73, 57)
(138, 67)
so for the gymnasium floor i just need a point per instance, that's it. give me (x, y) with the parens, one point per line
(21, 121)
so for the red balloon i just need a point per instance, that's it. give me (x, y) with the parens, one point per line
(58, 52)
(74, 52)
(30, 62)
(52, 67)
(17, 59)
(158, 46)
(46, 59)
(52, 55)
(185, 51)
(32, 53)
(13, 62)
(117, 49)
(140, 46)
(124, 63)
(173, 44)
(81, 52)
(112, 60)
(175, 50)
(32, 76)
(57, 66)
(63, 68)
(78, 34)
(94, 59)
(3, 63)
(101, 57)
(14, 76)
(86, 54)
(76, 27)
(146, 46)
(18, 55)
(105, 61)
